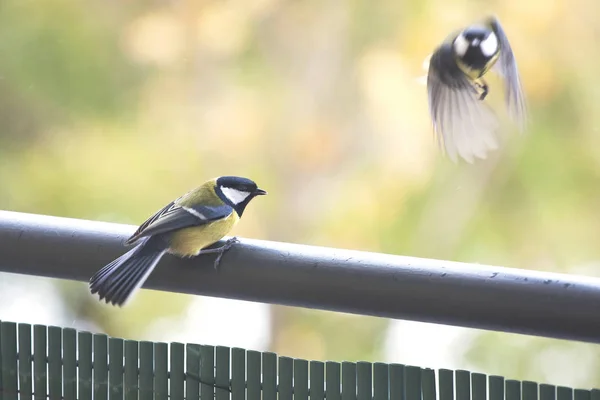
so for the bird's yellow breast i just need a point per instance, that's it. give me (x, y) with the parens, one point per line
(475, 73)
(188, 242)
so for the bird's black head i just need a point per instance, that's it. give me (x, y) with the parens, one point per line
(237, 191)
(476, 47)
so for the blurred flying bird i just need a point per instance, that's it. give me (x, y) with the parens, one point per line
(465, 125)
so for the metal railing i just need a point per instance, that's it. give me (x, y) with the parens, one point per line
(469, 295)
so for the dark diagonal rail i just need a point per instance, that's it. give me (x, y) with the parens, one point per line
(469, 295)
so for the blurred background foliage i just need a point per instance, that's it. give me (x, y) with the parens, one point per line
(108, 110)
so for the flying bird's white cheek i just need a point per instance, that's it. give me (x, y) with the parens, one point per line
(489, 46)
(234, 195)
(461, 45)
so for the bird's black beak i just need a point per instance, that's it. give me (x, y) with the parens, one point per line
(259, 192)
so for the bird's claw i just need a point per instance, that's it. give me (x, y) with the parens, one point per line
(228, 245)
(483, 87)
(483, 95)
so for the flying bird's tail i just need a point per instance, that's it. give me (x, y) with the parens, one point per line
(119, 280)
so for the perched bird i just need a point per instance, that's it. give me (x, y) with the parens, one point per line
(185, 227)
(464, 123)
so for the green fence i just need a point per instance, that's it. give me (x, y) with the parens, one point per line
(42, 362)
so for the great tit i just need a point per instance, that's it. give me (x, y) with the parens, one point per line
(464, 124)
(184, 227)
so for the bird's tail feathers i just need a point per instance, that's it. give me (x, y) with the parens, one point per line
(119, 280)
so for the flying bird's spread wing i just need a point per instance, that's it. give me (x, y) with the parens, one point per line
(463, 124)
(507, 68)
(175, 216)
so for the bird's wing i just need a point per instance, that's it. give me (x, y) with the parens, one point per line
(464, 125)
(149, 221)
(507, 68)
(175, 216)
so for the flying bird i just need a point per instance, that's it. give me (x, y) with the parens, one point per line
(464, 123)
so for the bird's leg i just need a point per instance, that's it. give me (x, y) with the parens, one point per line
(228, 244)
(482, 85)
(220, 250)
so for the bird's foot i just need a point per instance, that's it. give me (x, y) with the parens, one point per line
(221, 250)
(483, 87)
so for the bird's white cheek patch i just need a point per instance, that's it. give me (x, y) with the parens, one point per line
(489, 45)
(461, 45)
(234, 195)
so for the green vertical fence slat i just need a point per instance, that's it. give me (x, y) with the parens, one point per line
(161, 371)
(222, 361)
(269, 376)
(146, 379)
(513, 389)
(40, 366)
(193, 362)
(496, 391)
(581, 394)
(238, 374)
(530, 390)
(412, 383)
(8, 348)
(548, 392)
(253, 372)
(428, 387)
(564, 393)
(84, 356)
(478, 386)
(348, 381)
(70, 364)
(54, 362)
(333, 381)
(364, 379)
(25, 371)
(463, 385)
(316, 388)
(205, 368)
(446, 385)
(380, 382)
(100, 367)
(595, 394)
(300, 380)
(286, 376)
(131, 370)
(396, 378)
(115, 369)
(177, 374)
